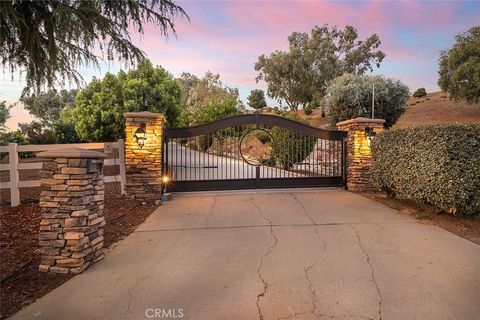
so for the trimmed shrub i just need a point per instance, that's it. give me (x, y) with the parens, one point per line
(291, 147)
(435, 164)
(350, 96)
(308, 110)
(420, 92)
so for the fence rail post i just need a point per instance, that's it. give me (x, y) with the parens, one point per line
(121, 157)
(14, 176)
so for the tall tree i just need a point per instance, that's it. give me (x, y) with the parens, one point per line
(256, 99)
(98, 114)
(4, 115)
(300, 76)
(46, 106)
(49, 39)
(460, 67)
(207, 92)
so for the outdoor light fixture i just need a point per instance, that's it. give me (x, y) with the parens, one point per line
(370, 135)
(141, 135)
(165, 196)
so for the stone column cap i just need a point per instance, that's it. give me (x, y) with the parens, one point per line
(72, 153)
(361, 120)
(143, 114)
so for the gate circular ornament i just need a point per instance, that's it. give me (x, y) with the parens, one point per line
(256, 147)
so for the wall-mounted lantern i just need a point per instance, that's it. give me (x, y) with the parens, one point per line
(140, 135)
(370, 134)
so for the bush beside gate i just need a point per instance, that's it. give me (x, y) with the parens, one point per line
(436, 164)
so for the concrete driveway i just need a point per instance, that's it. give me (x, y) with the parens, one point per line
(326, 254)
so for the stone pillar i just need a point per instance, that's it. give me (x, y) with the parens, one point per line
(143, 164)
(359, 155)
(72, 204)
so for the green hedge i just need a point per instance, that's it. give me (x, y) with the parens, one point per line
(436, 164)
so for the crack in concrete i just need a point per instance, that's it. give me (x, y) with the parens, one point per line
(380, 298)
(259, 210)
(304, 209)
(308, 268)
(211, 211)
(130, 296)
(293, 315)
(310, 287)
(259, 270)
(349, 315)
(276, 225)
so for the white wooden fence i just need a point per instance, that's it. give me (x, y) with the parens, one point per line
(14, 166)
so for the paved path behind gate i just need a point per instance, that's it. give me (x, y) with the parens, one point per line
(329, 254)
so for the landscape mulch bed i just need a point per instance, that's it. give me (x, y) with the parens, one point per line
(21, 283)
(465, 227)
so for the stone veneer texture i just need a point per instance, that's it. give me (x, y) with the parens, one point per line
(72, 203)
(359, 155)
(143, 165)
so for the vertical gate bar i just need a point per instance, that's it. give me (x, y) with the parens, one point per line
(202, 163)
(163, 151)
(208, 155)
(329, 158)
(339, 156)
(170, 171)
(237, 150)
(225, 145)
(339, 161)
(292, 150)
(195, 163)
(234, 155)
(307, 158)
(334, 158)
(325, 158)
(184, 157)
(322, 159)
(189, 169)
(344, 162)
(318, 170)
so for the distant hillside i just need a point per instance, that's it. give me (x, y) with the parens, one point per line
(437, 108)
(433, 108)
(315, 119)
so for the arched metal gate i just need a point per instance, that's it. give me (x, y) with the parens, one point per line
(253, 151)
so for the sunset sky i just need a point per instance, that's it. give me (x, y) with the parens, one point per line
(226, 37)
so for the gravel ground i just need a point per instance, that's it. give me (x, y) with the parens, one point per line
(21, 283)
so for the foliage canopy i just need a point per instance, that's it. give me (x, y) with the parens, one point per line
(207, 93)
(256, 99)
(98, 114)
(350, 96)
(47, 106)
(4, 115)
(459, 72)
(49, 39)
(300, 76)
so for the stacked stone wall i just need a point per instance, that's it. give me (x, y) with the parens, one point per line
(72, 204)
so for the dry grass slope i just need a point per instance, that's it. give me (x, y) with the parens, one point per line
(437, 108)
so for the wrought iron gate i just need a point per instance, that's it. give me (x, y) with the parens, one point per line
(253, 151)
